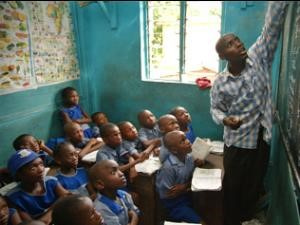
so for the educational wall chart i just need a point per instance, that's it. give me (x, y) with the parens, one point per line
(15, 66)
(37, 44)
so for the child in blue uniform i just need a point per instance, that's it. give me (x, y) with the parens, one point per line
(185, 122)
(113, 148)
(35, 193)
(167, 123)
(131, 141)
(173, 181)
(99, 119)
(8, 216)
(76, 210)
(116, 206)
(72, 112)
(69, 176)
(27, 141)
(74, 134)
(149, 132)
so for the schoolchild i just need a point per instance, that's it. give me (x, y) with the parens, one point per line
(99, 119)
(8, 216)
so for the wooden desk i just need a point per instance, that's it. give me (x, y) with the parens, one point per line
(209, 203)
(144, 186)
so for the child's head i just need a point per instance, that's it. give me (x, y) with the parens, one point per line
(4, 212)
(66, 155)
(182, 115)
(26, 166)
(74, 132)
(75, 210)
(99, 118)
(111, 135)
(128, 131)
(106, 175)
(70, 96)
(177, 143)
(26, 141)
(146, 119)
(167, 123)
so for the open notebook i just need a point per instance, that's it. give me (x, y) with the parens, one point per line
(207, 179)
(149, 166)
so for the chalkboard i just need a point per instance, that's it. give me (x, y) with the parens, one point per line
(289, 82)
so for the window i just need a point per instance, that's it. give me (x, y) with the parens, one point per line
(178, 40)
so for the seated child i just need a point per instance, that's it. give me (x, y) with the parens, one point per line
(113, 149)
(8, 216)
(98, 118)
(116, 206)
(131, 141)
(166, 124)
(76, 210)
(68, 175)
(149, 132)
(27, 141)
(35, 194)
(185, 122)
(72, 112)
(74, 134)
(173, 180)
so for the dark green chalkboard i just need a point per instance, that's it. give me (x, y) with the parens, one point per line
(289, 82)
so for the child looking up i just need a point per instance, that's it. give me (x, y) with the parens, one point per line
(116, 206)
(69, 176)
(131, 141)
(173, 181)
(184, 120)
(113, 148)
(76, 210)
(27, 141)
(149, 132)
(35, 194)
(99, 119)
(166, 124)
(72, 112)
(85, 145)
(8, 216)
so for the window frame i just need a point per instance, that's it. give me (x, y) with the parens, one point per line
(145, 57)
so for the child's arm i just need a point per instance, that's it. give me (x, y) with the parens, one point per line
(15, 218)
(132, 163)
(84, 119)
(92, 145)
(178, 189)
(155, 141)
(65, 117)
(133, 217)
(45, 148)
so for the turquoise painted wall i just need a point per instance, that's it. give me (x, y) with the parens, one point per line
(112, 62)
(32, 111)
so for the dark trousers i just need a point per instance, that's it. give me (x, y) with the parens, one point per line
(245, 170)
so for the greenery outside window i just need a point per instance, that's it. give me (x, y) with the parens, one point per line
(178, 40)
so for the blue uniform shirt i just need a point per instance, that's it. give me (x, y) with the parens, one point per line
(172, 172)
(190, 134)
(117, 154)
(146, 134)
(73, 182)
(115, 212)
(133, 146)
(35, 205)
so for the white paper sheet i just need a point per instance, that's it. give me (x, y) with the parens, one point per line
(200, 149)
(206, 179)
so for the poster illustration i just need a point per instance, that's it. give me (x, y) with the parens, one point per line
(37, 45)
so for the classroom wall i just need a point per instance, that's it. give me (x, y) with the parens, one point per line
(110, 52)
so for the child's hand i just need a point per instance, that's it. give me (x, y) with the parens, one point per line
(133, 217)
(177, 190)
(199, 162)
(156, 151)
